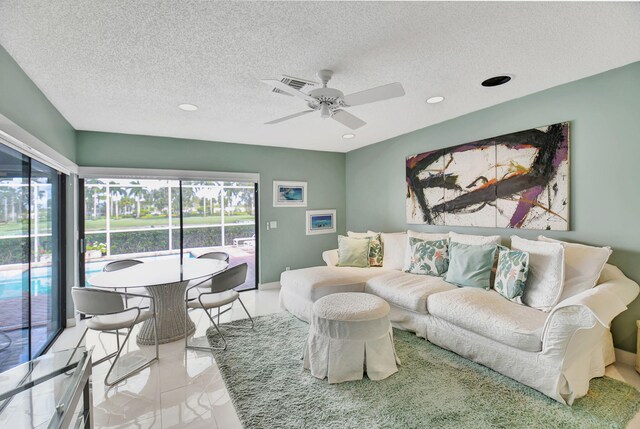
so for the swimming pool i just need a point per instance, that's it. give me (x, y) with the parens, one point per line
(14, 282)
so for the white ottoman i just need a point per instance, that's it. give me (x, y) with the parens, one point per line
(350, 331)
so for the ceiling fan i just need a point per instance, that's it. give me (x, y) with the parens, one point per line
(331, 102)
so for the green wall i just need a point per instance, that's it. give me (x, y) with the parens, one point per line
(23, 103)
(604, 111)
(286, 246)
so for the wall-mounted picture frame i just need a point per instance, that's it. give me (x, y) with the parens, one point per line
(289, 194)
(321, 222)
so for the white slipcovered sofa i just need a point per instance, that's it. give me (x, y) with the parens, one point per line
(555, 352)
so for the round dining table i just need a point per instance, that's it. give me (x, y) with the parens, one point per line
(166, 281)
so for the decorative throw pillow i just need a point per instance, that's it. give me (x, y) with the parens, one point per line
(470, 265)
(546, 272)
(511, 277)
(582, 266)
(375, 247)
(395, 245)
(474, 239)
(428, 257)
(353, 252)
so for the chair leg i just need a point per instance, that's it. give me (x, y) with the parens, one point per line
(246, 311)
(78, 345)
(208, 349)
(135, 370)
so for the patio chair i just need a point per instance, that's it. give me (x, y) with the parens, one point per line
(108, 313)
(121, 264)
(220, 293)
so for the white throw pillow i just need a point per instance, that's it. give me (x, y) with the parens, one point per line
(331, 257)
(546, 272)
(582, 266)
(428, 236)
(474, 240)
(394, 246)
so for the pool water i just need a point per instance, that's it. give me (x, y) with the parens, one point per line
(14, 282)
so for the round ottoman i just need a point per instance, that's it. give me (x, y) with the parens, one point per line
(350, 332)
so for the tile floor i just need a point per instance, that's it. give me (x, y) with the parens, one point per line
(186, 389)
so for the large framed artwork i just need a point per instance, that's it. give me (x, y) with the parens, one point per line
(518, 180)
(289, 194)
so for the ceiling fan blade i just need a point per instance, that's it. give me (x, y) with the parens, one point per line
(347, 119)
(286, 88)
(286, 118)
(372, 95)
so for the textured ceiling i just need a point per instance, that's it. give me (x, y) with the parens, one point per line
(124, 66)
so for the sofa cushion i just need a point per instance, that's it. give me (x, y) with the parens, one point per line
(582, 266)
(489, 314)
(470, 265)
(353, 252)
(511, 277)
(427, 257)
(546, 272)
(394, 247)
(375, 246)
(316, 282)
(405, 290)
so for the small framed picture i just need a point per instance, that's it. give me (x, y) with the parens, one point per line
(289, 194)
(321, 222)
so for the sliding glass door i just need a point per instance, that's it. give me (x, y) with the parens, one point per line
(141, 219)
(30, 257)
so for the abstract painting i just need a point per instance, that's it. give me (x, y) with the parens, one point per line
(518, 180)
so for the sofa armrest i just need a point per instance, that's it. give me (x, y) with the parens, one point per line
(330, 257)
(598, 305)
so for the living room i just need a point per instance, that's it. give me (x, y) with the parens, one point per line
(227, 149)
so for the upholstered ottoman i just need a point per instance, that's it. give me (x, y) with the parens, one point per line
(350, 332)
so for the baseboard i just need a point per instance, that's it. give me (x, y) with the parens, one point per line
(269, 286)
(625, 357)
(71, 323)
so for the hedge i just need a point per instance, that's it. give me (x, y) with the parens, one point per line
(154, 240)
(14, 250)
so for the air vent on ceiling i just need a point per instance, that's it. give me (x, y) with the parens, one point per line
(295, 83)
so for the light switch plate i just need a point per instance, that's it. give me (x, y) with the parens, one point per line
(273, 224)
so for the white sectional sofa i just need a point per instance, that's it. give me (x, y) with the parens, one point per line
(555, 352)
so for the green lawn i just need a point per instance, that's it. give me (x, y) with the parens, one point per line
(162, 221)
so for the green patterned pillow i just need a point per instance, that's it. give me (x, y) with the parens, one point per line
(511, 276)
(428, 257)
(375, 247)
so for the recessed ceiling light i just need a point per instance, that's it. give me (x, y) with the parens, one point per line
(436, 99)
(348, 136)
(188, 107)
(496, 80)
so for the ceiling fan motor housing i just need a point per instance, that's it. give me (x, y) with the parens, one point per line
(330, 97)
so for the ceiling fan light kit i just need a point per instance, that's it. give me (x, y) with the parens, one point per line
(331, 102)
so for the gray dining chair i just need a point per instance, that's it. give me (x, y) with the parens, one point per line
(220, 256)
(108, 314)
(121, 264)
(220, 293)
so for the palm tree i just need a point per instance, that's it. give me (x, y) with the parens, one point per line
(116, 196)
(138, 193)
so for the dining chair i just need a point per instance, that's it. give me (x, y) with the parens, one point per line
(121, 264)
(220, 293)
(108, 313)
(220, 256)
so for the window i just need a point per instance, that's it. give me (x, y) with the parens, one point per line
(141, 219)
(31, 257)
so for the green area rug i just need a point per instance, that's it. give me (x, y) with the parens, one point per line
(434, 388)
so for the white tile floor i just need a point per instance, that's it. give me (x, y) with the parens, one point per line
(181, 390)
(186, 389)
